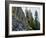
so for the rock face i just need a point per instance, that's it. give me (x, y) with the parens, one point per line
(18, 19)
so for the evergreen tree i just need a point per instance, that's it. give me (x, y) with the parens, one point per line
(30, 20)
(37, 24)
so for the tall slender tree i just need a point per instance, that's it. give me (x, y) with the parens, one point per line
(30, 19)
(37, 24)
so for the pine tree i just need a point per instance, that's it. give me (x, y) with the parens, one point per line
(30, 20)
(37, 24)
